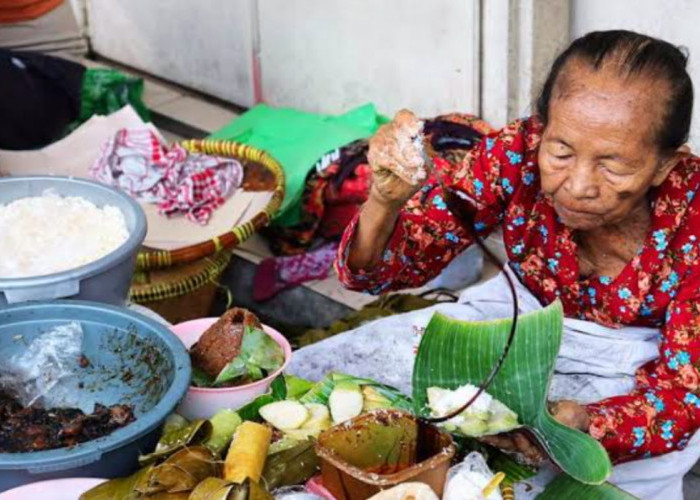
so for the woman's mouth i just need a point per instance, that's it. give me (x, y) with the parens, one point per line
(571, 212)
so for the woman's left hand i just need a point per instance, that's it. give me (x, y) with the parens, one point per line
(568, 413)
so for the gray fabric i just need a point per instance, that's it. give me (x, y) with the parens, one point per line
(594, 363)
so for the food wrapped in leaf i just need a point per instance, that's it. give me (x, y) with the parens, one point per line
(181, 472)
(295, 465)
(454, 352)
(215, 488)
(484, 416)
(233, 351)
(248, 451)
(176, 437)
(174, 479)
(224, 424)
(122, 488)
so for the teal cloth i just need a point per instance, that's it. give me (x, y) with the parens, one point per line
(298, 140)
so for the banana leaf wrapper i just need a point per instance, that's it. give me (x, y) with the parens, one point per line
(214, 488)
(292, 466)
(181, 472)
(194, 433)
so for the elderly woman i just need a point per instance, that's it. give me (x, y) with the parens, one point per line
(596, 199)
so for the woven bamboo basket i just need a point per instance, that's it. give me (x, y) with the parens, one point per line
(247, 155)
(183, 292)
(181, 284)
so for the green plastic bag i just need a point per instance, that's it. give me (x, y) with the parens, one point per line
(298, 140)
(106, 91)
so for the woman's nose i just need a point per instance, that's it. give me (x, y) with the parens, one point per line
(581, 182)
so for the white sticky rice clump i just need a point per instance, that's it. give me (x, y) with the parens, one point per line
(48, 234)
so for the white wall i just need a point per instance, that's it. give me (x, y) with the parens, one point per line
(79, 7)
(318, 55)
(331, 55)
(675, 21)
(207, 46)
(520, 39)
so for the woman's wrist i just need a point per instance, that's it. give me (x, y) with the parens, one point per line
(382, 204)
(374, 230)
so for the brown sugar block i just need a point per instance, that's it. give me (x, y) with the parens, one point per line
(221, 342)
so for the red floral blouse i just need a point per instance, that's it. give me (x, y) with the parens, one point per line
(660, 286)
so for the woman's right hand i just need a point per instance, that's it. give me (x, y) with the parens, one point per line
(398, 171)
(397, 160)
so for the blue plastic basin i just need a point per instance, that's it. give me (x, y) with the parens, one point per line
(116, 342)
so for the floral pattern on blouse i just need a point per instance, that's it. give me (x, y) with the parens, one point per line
(659, 287)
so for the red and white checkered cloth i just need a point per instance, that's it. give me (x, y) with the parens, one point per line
(179, 182)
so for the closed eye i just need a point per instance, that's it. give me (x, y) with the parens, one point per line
(563, 157)
(608, 171)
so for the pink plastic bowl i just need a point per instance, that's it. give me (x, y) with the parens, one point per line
(201, 402)
(315, 486)
(55, 489)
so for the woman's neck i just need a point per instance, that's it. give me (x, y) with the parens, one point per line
(608, 249)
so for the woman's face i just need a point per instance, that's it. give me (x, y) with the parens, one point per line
(598, 158)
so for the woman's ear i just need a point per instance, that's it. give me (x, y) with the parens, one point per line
(669, 162)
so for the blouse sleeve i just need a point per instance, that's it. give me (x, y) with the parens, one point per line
(663, 411)
(427, 236)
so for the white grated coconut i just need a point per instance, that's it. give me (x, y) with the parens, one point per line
(48, 234)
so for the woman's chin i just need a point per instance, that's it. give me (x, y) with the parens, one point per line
(582, 222)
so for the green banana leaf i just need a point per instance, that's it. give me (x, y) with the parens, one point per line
(294, 465)
(181, 472)
(177, 438)
(564, 486)
(277, 392)
(322, 391)
(453, 353)
(514, 471)
(118, 489)
(224, 424)
(214, 488)
(297, 387)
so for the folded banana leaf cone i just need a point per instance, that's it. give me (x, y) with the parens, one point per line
(453, 353)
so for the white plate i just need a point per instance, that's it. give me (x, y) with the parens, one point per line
(54, 489)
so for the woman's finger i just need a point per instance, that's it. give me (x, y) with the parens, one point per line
(528, 448)
(500, 441)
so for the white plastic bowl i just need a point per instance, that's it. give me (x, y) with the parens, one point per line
(55, 489)
(200, 402)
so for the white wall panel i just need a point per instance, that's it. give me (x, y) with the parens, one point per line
(330, 55)
(202, 44)
(675, 21)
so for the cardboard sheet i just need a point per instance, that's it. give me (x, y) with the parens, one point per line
(74, 154)
(171, 234)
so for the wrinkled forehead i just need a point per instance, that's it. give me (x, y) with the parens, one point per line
(610, 97)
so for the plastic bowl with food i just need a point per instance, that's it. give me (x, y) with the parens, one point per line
(60, 236)
(203, 402)
(125, 359)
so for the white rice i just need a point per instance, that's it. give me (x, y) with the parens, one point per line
(49, 234)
